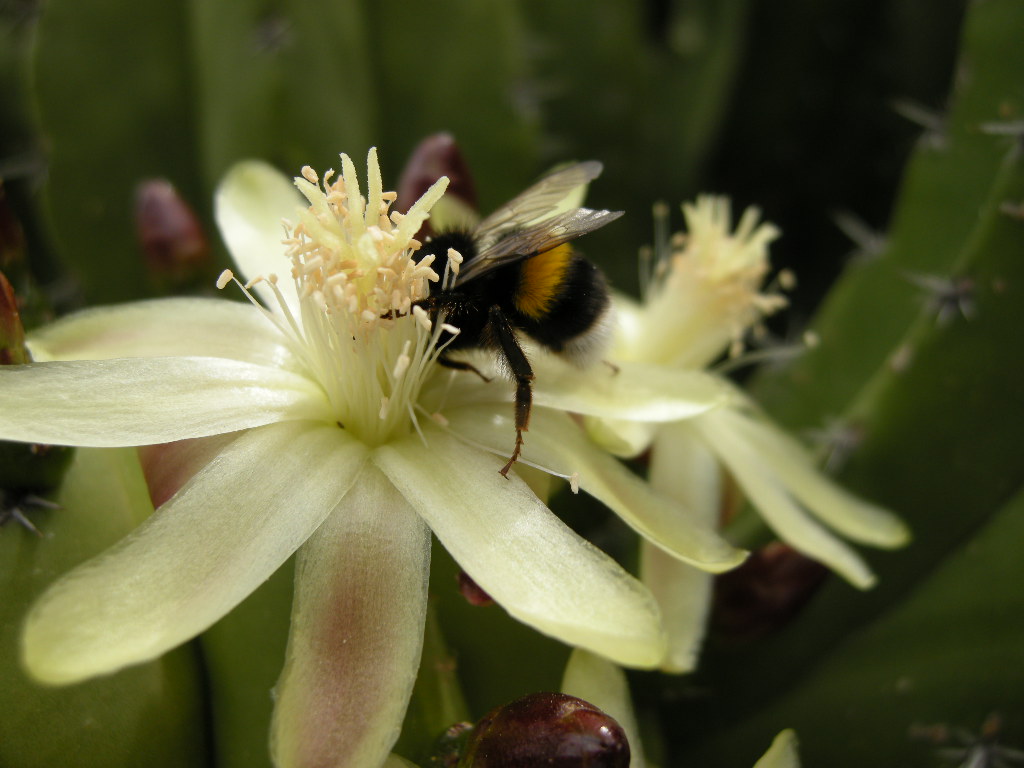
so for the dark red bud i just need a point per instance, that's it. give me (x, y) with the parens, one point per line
(12, 334)
(549, 729)
(436, 156)
(765, 592)
(169, 231)
(472, 592)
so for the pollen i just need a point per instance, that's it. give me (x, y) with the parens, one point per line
(705, 290)
(351, 253)
(454, 260)
(422, 317)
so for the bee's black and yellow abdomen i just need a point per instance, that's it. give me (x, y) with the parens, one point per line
(541, 282)
(560, 298)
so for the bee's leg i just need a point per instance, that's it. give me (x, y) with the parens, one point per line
(461, 365)
(504, 338)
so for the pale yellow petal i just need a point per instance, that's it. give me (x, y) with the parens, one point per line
(196, 558)
(631, 326)
(520, 553)
(250, 204)
(356, 632)
(782, 753)
(557, 444)
(141, 401)
(604, 685)
(625, 439)
(772, 500)
(684, 596)
(180, 327)
(633, 391)
(683, 468)
(851, 516)
(168, 466)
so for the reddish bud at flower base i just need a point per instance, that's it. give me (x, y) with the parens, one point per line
(765, 592)
(470, 590)
(547, 729)
(12, 334)
(169, 232)
(434, 157)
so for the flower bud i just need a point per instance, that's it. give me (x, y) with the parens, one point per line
(169, 232)
(472, 591)
(550, 729)
(434, 157)
(12, 334)
(765, 592)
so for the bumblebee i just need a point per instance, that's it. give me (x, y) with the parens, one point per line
(519, 274)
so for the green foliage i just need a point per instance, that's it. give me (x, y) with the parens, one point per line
(244, 653)
(931, 388)
(115, 110)
(949, 656)
(643, 88)
(152, 709)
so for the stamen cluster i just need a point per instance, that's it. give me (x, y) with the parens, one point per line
(359, 331)
(705, 290)
(353, 256)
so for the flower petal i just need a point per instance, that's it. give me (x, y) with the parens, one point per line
(625, 439)
(684, 469)
(141, 401)
(853, 517)
(684, 596)
(604, 685)
(782, 753)
(203, 552)
(164, 328)
(631, 326)
(557, 444)
(765, 491)
(635, 392)
(168, 466)
(521, 554)
(450, 214)
(250, 203)
(356, 633)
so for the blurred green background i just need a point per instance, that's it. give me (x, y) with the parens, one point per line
(884, 137)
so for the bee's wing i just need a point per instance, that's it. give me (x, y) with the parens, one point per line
(535, 203)
(536, 239)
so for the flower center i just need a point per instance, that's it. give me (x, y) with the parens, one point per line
(705, 291)
(359, 333)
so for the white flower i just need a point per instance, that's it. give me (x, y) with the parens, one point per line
(704, 295)
(321, 409)
(705, 290)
